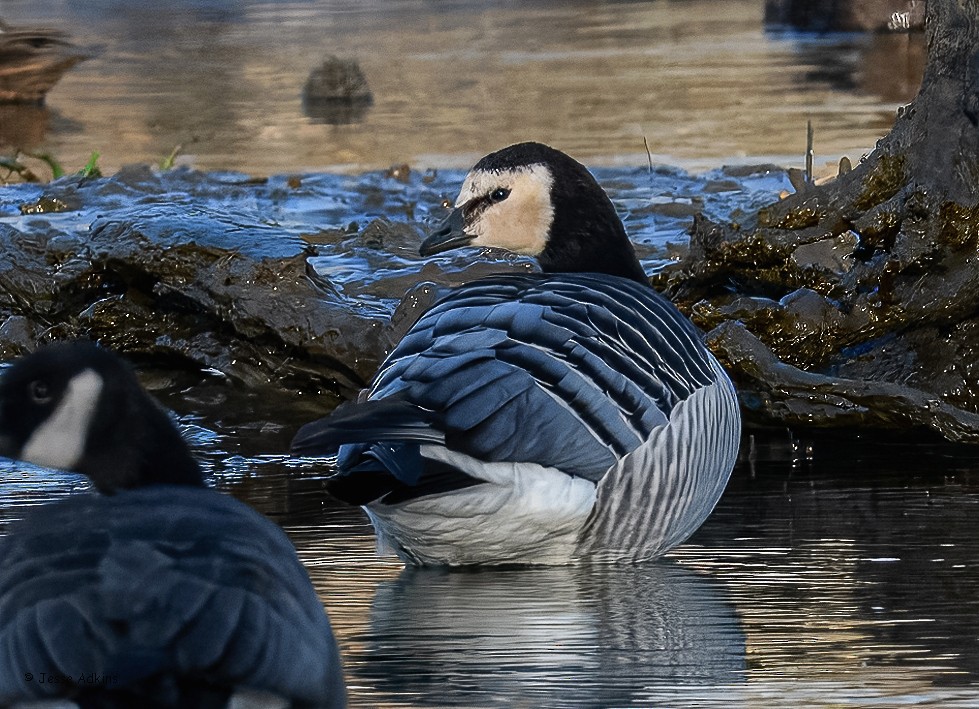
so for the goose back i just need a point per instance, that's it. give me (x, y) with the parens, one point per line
(571, 371)
(173, 595)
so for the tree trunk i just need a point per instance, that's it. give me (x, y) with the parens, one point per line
(868, 283)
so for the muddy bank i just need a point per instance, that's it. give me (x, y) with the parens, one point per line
(829, 314)
(289, 286)
(178, 280)
(825, 322)
(274, 299)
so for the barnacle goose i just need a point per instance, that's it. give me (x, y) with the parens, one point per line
(156, 591)
(548, 418)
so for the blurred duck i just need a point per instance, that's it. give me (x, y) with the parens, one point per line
(32, 60)
(156, 591)
(550, 418)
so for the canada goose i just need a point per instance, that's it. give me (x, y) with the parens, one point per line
(156, 591)
(547, 418)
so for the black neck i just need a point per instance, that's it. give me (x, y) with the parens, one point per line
(587, 236)
(167, 460)
(144, 449)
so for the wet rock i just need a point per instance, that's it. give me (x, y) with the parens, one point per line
(375, 233)
(799, 328)
(282, 289)
(834, 255)
(806, 399)
(204, 286)
(722, 186)
(402, 172)
(17, 337)
(47, 205)
(675, 208)
(241, 313)
(892, 305)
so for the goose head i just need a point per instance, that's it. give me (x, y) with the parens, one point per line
(80, 408)
(534, 200)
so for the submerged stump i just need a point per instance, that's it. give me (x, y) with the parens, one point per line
(857, 301)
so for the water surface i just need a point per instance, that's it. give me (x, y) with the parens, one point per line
(833, 573)
(702, 82)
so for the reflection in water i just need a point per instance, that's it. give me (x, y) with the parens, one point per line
(829, 575)
(888, 66)
(855, 15)
(893, 65)
(546, 637)
(23, 485)
(32, 59)
(833, 572)
(22, 125)
(866, 556)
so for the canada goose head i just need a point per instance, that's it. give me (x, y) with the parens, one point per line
(80, 408)
(534, 200)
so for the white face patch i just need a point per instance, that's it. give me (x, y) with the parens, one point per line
(520, 223)
(59, 442)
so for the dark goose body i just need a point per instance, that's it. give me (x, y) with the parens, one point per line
(170, 595)
(155, 591)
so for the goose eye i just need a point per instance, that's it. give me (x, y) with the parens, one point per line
(40, 392)
(499, 194)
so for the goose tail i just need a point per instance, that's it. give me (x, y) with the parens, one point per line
(377, 444)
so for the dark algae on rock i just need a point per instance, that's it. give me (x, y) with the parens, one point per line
(855, 302)
(166, 270)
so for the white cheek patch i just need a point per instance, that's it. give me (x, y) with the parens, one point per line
(522, 222)
(59, 442)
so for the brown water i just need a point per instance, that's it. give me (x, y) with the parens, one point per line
(702, 81)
